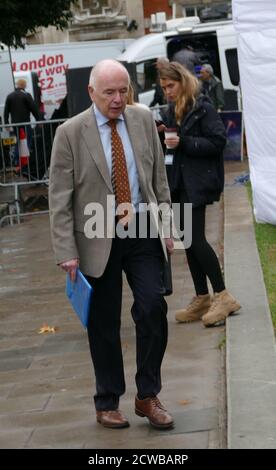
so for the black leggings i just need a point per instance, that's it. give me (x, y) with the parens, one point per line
(202, 260)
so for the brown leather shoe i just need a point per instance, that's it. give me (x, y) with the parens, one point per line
(112, 419)
(155, 412)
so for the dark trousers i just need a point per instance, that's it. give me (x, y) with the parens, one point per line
(202, 259)
(142, 261)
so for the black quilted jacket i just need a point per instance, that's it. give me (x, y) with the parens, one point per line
(198, 165)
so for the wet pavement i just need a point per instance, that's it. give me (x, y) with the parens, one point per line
(218, 383)
(46, 380)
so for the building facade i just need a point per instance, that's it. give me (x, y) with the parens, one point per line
(179, 8)
(118, 19)
(97, 20)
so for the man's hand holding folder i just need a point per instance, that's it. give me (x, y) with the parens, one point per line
(71, 267)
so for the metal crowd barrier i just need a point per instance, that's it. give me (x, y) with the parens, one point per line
(25, 151)
(157, 111)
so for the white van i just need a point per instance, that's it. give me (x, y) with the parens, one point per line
(215, 43)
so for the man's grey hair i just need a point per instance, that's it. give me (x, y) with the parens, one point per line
(106, 63)
(208, 68)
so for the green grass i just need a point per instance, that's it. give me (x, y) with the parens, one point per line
(221, 345)
(266, 243)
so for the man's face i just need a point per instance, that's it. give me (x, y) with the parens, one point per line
(110, 92)
(204, 75)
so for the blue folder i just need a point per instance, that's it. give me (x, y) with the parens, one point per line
(80, 294)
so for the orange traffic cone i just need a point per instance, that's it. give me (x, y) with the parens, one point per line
(24, 153)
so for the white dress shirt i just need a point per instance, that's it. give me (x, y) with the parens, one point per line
(105, 135)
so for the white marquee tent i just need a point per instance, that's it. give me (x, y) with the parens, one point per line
(255, 23)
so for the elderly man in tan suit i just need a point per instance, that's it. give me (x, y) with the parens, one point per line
(82, 174)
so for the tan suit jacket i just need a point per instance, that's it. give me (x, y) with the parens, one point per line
(79, 175)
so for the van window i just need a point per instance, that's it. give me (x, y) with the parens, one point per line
(146, 75)
(233, 65)
(204, 44)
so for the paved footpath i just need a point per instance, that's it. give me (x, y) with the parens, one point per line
(46, 380)
(250, 338)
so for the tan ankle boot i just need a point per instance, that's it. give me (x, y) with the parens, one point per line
(194, 311)
(224, 304)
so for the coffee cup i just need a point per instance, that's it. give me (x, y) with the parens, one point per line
(170, 132)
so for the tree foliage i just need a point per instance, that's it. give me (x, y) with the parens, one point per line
(17, 17)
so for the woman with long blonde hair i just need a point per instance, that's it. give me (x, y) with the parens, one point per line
(196, 175)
